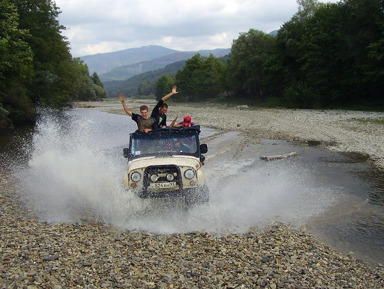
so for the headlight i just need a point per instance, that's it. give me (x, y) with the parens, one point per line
(189, 174)
(170, 177)
(135, 177)
(154, 178)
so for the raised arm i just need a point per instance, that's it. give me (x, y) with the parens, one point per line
(122, 99)
(174, 91)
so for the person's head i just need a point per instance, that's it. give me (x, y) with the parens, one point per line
(144, 111)
(163, 108)
(187, 121)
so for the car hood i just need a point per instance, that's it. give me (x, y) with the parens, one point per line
(169, 160)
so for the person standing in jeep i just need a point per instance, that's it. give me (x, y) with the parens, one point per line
(160, 110)
(144, 122)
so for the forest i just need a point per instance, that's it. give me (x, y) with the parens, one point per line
(328, 55)
(36, 67)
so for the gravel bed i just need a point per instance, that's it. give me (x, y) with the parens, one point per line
(41, 255)
(338, 130)
(36, 254)
(341, 131)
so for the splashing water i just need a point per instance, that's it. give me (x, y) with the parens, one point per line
(72, 171)
(75, 172)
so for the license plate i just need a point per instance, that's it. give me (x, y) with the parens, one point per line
(163, 185)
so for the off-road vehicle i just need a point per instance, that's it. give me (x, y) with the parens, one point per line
(167, 163)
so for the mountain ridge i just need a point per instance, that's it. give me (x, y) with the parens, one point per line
(104, 62)
(122, 65)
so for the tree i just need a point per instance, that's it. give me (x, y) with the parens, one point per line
(249, 55)
(15, 66)
(322, 55)
(374, 70)
(51, 84)
(36, 67)
(335, 57)
(201, 77)
(85, 87)
(307, 8)
(164, 85)
(96, 80)
(365, 30)
(145, 88)
(289, 42)
(186, 78)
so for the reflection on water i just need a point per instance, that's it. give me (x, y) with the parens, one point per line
(72, 167)
(376, 181)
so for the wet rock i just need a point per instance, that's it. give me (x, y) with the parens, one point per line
(89, 255)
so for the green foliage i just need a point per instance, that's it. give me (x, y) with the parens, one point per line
(145, 88)
(326, 56)
(201, 77)
(164, 85)
(15, 63)
(36, 67)
(131, 86)
(331, 52)
(249, 55)
(96, 80)
(86, 87)
(15, 54)
(300, 95)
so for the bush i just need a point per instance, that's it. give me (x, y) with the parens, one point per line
(300, 95)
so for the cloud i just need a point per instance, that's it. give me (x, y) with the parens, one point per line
(100, 26)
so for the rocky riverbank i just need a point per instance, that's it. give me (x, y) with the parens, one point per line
(37, 254)
(41, 255)
(342, 131)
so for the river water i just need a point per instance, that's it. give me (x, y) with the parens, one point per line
(69, 168)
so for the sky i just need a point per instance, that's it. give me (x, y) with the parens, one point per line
(100, 26)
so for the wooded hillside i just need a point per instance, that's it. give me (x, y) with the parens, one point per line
(36, 67)
(326, 56)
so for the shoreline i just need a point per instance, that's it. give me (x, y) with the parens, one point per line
(336, 130)
(63, 255)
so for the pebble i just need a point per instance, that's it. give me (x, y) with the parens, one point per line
(42, 255)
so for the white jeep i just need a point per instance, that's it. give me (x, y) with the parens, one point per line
(167, 162)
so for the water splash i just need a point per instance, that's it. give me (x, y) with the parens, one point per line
(75, 173)
(71, 170)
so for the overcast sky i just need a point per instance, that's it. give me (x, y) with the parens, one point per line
(99, 26)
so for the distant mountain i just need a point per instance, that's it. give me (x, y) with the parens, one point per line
(274, 32)
(127, 71)
(104, 62)
(122, 65)
(129, 86)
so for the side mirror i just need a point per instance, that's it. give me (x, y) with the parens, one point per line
(203, 148)
(126, 152)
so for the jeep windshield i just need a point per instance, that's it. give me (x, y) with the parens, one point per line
(164, 142)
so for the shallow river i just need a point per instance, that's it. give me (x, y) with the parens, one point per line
(70, 169)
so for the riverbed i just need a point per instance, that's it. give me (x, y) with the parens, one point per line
(68, 178)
